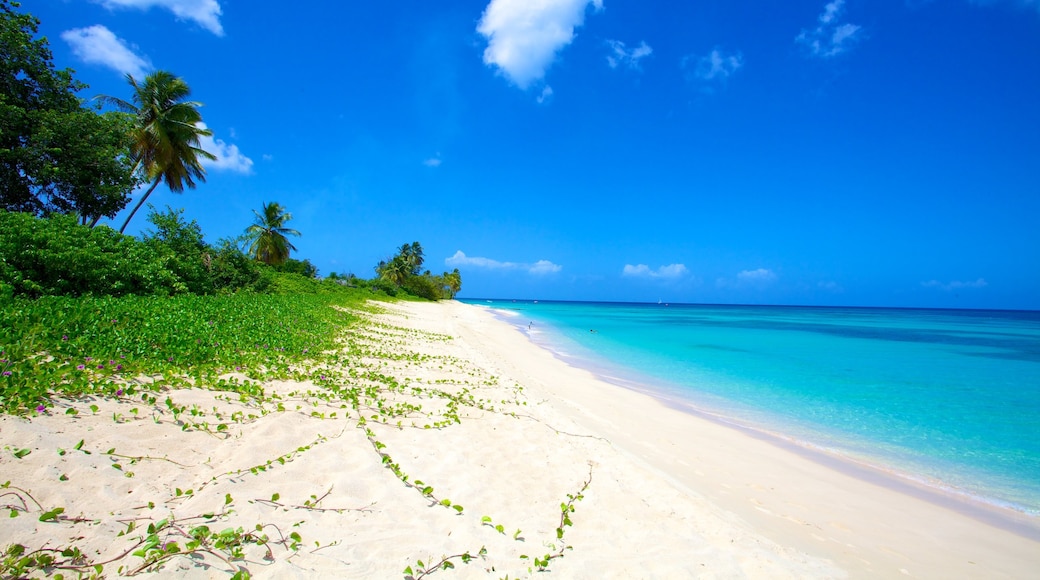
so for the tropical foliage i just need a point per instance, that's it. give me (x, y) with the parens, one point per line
(166, 133)
(267, 235)
(402, 271)
(56, 155)
(56, 256)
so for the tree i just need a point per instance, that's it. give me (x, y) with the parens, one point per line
(166, 134)
(393, 270)
(56, 155)
(453, 280)
(268, 243)
(412, 257)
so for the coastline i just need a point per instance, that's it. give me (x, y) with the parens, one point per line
(517, 433)
(867, 521)
(837, 449)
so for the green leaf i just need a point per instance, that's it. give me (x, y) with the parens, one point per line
(52, 515)
(20, 453)
(275, 497)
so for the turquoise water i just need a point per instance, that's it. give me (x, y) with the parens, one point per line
(948, 398)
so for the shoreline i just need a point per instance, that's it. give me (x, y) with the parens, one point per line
(1019, 519)
(843, 477)
(464, 439)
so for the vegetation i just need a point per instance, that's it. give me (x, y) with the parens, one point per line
(401, 271)
(56, 155)
(267, 235)
(55, 256)
(165, 134)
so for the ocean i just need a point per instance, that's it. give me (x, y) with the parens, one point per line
(949, 399)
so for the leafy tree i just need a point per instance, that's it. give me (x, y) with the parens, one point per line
(302, 267)
(166, 134)
(268, 235)
(56, 155)
(181, 243)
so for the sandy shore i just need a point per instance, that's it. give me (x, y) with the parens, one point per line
(668, 494)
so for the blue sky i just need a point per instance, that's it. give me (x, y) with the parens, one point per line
(801, 152)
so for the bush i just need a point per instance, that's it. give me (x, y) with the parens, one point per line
(57, 256)
(423, 287)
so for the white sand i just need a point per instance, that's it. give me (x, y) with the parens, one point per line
(672, 495)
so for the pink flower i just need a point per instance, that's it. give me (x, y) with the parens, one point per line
(40, 408)
(119, 393)
(80, 367)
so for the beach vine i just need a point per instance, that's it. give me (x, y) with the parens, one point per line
(143, 359)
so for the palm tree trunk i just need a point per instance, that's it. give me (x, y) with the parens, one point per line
(138, 206)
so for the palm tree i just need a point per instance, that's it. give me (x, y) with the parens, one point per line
(412, 256)
(454, 282)
(394, 270)
(166, 133)
(267, 235)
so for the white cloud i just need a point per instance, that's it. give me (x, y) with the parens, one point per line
(643, 271)
(229, 158)
(541, 267)
(544, 267)
(830, 38)
(525, 35)
(98, 45)
(955, 285)
(205, 13)
(716, 66)
(759, 276)
(432, 162)
(621, 56)
(546, 93)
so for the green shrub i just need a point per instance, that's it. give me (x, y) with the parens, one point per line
(57, 256)
(423, 287)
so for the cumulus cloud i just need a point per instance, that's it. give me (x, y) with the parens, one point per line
(205, 13)
(830, 37)
(524, 35)
(626, 57)
(955, 285)
(541, 267)
(229, 158)
(716, 66)
(670, 271)
(99, 45)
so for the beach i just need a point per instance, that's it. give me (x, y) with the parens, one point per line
(476, 449)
